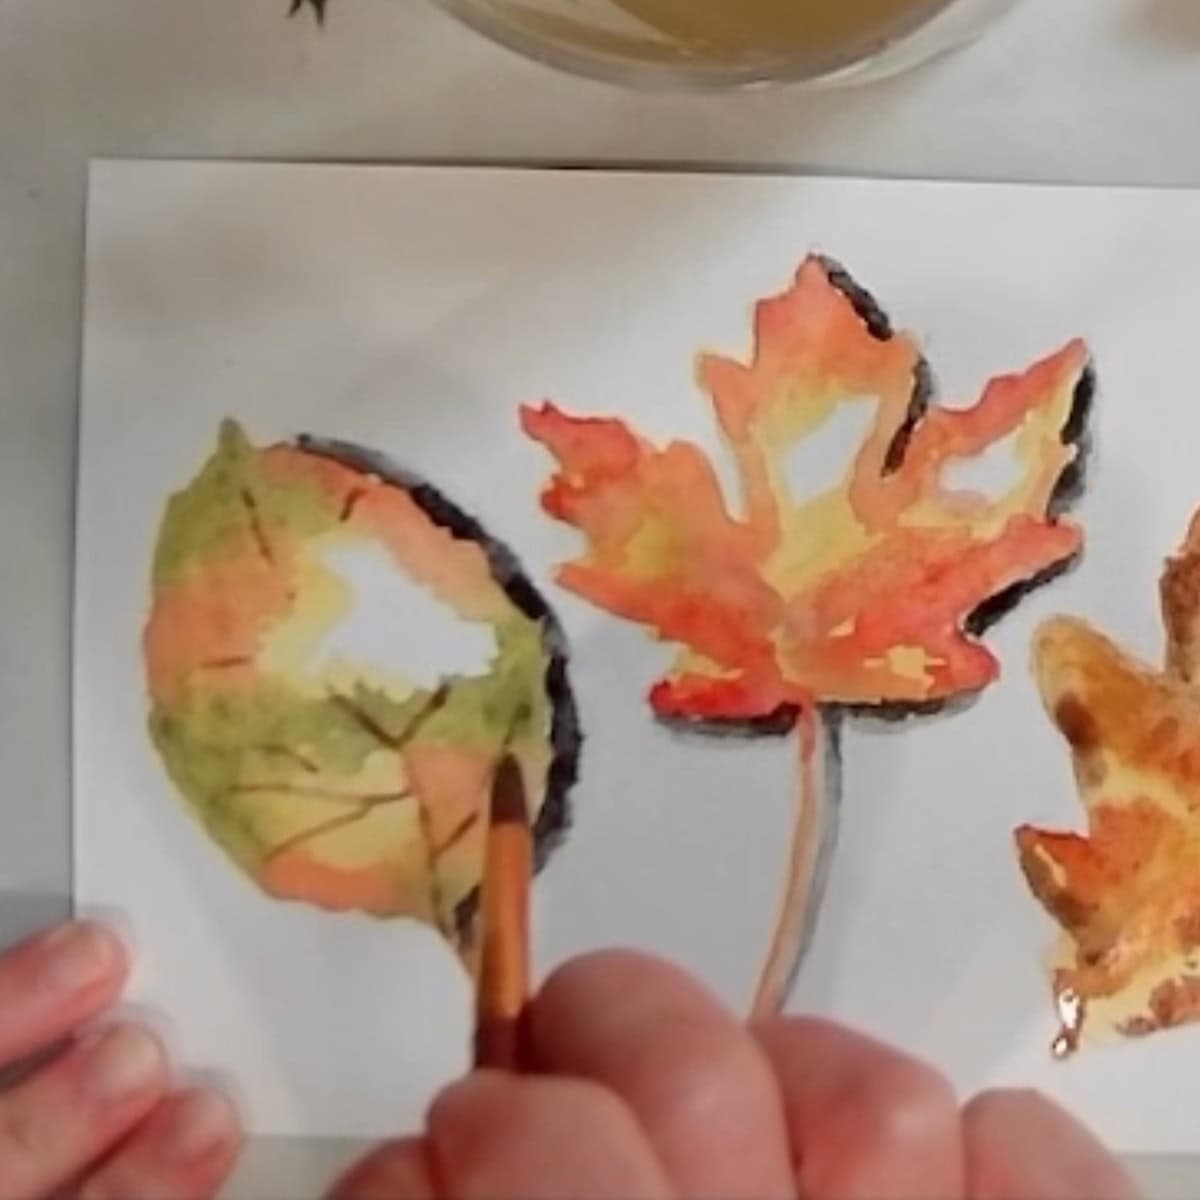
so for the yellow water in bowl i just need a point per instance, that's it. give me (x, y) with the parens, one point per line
(726, 30)
(731, 27)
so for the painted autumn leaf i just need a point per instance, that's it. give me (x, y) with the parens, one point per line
(337, 782)
(1126, 893)
(870, 594)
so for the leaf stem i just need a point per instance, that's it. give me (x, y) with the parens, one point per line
(359, 800)
(364, 806)
(813, 834)
(437, 896)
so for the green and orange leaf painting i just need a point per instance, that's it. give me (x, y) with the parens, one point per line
(342, 784)
(872, 593)
(1126, 892)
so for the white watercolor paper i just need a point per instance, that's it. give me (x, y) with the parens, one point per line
(413, 310)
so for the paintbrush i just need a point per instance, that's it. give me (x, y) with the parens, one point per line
(503, 984)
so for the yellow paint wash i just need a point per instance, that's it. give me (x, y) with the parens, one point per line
(731, 27)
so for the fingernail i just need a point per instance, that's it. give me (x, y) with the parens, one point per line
(201, 1124)
(78, 957)
(122, 1062)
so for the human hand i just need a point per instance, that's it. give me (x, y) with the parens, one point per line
(645, 1087)
(99, 1120)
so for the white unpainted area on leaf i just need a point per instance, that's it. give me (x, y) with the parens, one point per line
(394, 625)
(992, 474)
(820, 462)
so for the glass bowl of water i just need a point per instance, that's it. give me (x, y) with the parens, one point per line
(730, 43)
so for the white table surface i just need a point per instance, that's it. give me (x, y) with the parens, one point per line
(1087, 91)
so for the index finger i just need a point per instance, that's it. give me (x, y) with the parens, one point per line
(698, 1083)
(54, 982)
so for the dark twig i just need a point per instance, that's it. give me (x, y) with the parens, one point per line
(318, 6)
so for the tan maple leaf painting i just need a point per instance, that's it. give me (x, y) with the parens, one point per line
(1126, 892)
(788, 608)
(337, 782)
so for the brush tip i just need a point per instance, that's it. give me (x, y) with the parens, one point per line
(508, 794)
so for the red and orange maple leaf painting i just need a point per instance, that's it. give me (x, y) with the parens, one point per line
(870, 594)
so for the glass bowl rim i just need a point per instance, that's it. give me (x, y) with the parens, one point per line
(613, 68)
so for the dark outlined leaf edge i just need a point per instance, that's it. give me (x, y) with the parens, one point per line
(555, 818)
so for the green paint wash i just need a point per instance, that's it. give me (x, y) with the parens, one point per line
(211, 513)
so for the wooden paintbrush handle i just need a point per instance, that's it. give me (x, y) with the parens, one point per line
(504, 971)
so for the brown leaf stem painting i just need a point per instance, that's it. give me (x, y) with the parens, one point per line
(1126, 892)
(788, 609)
(344, 785)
